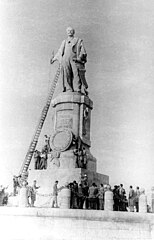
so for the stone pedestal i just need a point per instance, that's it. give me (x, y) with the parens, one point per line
(73, 111)
(70, 158)
(23, 198)
(143, 203)
(108, 201)
(46, 178)
(65, 196)
(72, 116)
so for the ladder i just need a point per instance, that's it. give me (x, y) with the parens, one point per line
(24, 168)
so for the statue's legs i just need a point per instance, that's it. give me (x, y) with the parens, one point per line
(79, 79)
(76, 78)
(73, 76)
(67, 76)
(83, 79)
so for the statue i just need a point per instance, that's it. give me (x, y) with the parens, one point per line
(55, 158)
(72, 57)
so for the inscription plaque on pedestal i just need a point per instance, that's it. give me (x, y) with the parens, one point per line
(64, 119)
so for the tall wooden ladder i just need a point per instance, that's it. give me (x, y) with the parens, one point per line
(24, 168)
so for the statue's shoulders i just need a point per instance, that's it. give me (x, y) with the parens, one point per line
(63, 43)
(78, 39)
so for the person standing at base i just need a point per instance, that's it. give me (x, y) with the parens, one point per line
(101, 197)
(75, 194)
(122, 197)
(92, 197)
(116, 198)
(3, 194)
(71, 187)
(15, 185)
(125, 204)
(55, 194)
(96, 198)
(32, 193)
(136, 200)
(131, 199)
(86, 194)
(80, 196)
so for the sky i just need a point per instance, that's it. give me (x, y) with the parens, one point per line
(119, 39)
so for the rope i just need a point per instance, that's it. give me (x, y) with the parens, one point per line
(50, 194)
(44, 195)
(47, 203)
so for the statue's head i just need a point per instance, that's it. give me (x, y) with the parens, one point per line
(70, 31)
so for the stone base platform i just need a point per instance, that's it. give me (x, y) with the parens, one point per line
(46, 178)
(70, 224)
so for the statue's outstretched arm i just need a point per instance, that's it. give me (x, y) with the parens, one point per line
(58, 56)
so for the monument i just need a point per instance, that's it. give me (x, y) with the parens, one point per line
(66, 157)
(69, 157)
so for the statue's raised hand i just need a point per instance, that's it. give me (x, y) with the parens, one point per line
(52, 60)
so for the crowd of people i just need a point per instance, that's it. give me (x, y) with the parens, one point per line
(92, 197)
(88, 197)
(82, 195)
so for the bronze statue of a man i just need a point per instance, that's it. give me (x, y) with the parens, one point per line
(72, 57)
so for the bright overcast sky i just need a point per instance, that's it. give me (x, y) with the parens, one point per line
(119, 38)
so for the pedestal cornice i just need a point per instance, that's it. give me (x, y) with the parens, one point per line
(72, 97)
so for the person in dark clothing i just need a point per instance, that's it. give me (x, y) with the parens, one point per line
(101, 197)
(93, 191)
(85, 190)
(122, 197)
(116, 198)
(125, 204)
(80, 197)
(136, 199)
(96, 194)
(131, 199)
(71, 187)
(75, 194)
(37, 159)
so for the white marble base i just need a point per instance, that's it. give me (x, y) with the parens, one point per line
(70, 224)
